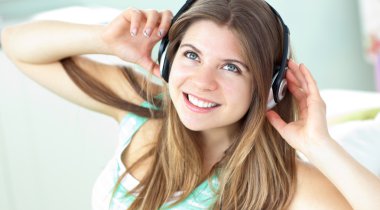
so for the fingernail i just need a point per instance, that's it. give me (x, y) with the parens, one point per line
(160, 32)
(147, 32)
(134, 32)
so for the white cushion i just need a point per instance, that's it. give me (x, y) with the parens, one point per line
(361, 139)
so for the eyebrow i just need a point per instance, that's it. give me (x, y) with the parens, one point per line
(226, 60)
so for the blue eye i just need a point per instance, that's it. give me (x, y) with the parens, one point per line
(191, 55)
(232, 68)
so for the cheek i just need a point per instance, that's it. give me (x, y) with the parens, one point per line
(177, 78)
(239, 91)
(178, 74)
(240, 96)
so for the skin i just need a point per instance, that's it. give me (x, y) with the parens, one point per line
(131, 36)
(319, 186)
(202, 67)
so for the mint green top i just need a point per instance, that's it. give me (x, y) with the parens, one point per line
(201, 198)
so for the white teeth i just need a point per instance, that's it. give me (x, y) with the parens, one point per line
(200, 103)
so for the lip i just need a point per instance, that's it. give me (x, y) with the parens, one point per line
(195, 108)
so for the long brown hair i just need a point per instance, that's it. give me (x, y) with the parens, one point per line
(258, 169)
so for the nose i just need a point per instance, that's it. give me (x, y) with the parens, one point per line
(205, 79)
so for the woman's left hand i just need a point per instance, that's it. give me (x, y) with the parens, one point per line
(310, 129)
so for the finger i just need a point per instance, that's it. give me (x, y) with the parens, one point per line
(298, 93)
(292, 79)
(148, 64)
(295, 68)
(276, 121)
(314, 95)
(295, 87)
(136, 18)
(166, 18)
(151, 22)
(301, 98)
(312, 84)
(119, 26)
(156, 70)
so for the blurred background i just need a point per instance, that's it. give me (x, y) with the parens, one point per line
(52, 151)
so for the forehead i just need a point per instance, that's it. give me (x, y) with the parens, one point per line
(213, 39)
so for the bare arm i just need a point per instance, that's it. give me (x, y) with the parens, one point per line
(314, 191)
(45, 42)
(36, 49)
(359, 186)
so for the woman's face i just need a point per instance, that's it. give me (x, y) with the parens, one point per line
(209, 84)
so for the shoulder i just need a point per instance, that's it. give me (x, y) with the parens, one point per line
(314, 191)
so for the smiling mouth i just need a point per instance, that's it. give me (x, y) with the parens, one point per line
(195, 101)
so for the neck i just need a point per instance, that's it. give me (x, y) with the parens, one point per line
(214, 143)
(216, 138)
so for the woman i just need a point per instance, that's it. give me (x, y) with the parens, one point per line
(210, 138)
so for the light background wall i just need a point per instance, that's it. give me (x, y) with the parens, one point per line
(326, 36)
(51, 151)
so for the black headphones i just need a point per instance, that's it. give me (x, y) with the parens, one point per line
(279, 83)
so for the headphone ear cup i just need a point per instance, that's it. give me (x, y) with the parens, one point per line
(282, 89)
(280, 94)
(164, 66)
(271, 102)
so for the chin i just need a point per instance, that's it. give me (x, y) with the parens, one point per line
(194, 126)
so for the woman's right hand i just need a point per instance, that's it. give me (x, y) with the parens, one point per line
(133, 34)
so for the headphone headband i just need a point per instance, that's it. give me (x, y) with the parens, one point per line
(277, 86)
(165, 40)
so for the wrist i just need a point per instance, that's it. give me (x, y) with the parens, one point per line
(96, 44)
(322, 150)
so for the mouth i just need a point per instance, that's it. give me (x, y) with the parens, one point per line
(199, 105)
